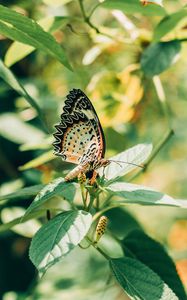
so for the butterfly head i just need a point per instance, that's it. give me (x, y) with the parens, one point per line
(101, 163)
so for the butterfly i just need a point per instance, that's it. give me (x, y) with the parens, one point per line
(79, 138)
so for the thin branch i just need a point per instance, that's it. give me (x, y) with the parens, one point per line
(162, 98)
(87, 18)
(98, 248)
(93, 10)
(159, 146)
(156, 150)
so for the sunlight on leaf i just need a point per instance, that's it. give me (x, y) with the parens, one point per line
(12, 81)
(58, 187)
(134, 193)
(137, 155)
(45, 143)
(139, 281)
(28, 229)
(91, 55)
(58, 237)
(167, 24)
(38, 161)
(18, 51)
(134, 6)
(11, 186)
(13, 128)
(25, 30)
(24, 193)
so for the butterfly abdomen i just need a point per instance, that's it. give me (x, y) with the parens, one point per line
(76, 171)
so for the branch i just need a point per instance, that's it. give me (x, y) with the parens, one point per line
(87, 18)
(156, 150)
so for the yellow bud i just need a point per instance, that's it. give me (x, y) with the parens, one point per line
(101, 227)
(81, 178)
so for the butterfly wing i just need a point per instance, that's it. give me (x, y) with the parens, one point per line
(79, 137)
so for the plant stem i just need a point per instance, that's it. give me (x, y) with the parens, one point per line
(97, 202)
(92, 198)
(87, 18)
(101, 251)
(159, 146)
(93, 9)
(162, 98)
(48, 215)
(156, 150)
(83, 197)
(98, 249)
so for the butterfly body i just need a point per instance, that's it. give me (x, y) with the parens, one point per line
(79, 138)
(86, 168)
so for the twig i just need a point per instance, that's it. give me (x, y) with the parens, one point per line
(156, 150)
(93, 10)
(87, 18)
(159, 146)
(98, 248)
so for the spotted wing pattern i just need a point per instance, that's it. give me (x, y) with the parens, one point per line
(79, 138)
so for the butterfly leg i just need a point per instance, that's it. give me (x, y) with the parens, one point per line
(93, 178)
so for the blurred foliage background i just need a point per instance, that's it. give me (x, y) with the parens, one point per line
(132, 109)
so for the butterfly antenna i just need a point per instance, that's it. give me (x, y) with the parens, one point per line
(125, 162)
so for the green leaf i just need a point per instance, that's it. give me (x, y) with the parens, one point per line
(121, 222)
(58, 187)
(58, 237)
(159, 56)
(153, 255)
(10, 214)
(168, 23)
(9, 78)
(19, 220)
(139, 194)
(38, 161)
(139, 281)
(134, 6)
(25, 30)
(12, 81)
(18, 51)
(137, 155)
(24, 193)
(13, 128)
